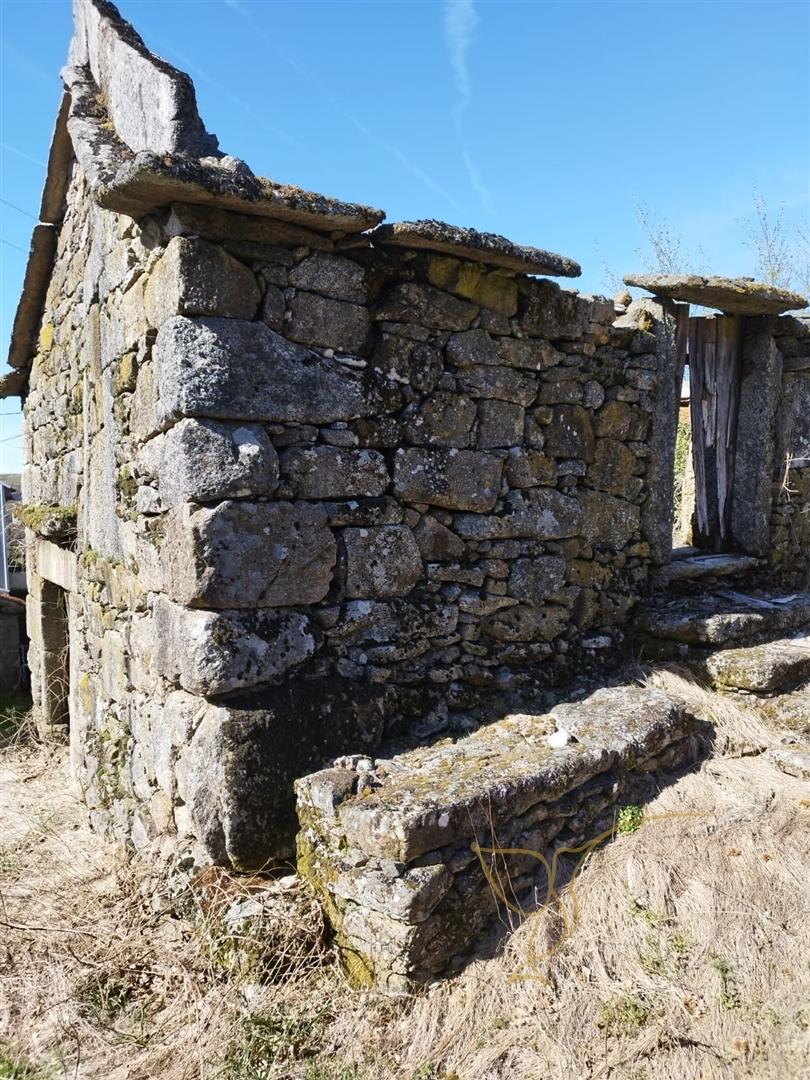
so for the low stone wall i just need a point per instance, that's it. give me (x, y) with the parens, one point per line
(415, 858)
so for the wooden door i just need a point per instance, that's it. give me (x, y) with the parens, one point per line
(714, 394)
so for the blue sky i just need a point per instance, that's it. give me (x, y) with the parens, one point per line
(543, 121)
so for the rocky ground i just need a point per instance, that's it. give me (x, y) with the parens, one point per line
(680, 950)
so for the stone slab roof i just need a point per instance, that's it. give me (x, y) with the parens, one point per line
(478, 246)
(734, 296)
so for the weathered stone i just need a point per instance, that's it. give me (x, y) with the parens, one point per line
(793, 760)
(445, 419)
(229, 369)
(236, 775)
(402, 360)
(715, 620)
(206, 461)
(332, 324)
(248, 555)
(436, 541)
(193, 277)
(329, 472)
(607, 520)
(702, 566)
(382, 561)
(500, 423)
(570, 433)
(455, 479)
(472, 347)
(425, 305)
(273, 308)
(481, 247)
(790, 711)
(491, 290)
(775, 665)
(535, 580)
(531, 354)
(560, 392)
(526, 622)
(618, 420)
(553, 313)
(213, 652)
(332, 276)
(393, 620)
(542, 514)
(497, 382)
(151, 104)
(529, 468)
(613, 468)
(738, 296)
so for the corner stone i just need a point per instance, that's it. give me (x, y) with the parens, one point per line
(245, 555)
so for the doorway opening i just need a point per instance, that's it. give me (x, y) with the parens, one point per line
(705, 447)
(55, 660)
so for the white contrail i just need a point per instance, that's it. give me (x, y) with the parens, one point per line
(461, 20)
(478, 185)
(373, 138)
(460, 23)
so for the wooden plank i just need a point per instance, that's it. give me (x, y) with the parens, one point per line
(696, 386)
(727, 393)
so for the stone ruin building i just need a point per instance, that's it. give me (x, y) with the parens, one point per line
(311, 498)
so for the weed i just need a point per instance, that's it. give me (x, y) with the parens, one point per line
(628, 819)
(729, 997)
(15, 711)
(655, 919)
(622, 1015)
(269, 1041)
(14, 1066)
(105, 997)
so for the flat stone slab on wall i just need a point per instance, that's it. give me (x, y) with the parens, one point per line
(471, 244)
(774, 665)
(718, 619)
(737, 296)
(392, 849)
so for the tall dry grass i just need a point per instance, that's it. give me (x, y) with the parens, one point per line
(683, 953)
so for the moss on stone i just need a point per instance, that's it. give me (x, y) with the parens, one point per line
(47, 519)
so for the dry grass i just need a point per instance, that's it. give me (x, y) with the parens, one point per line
(740, 727)
(687, 956)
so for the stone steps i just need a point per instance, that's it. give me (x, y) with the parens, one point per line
(392, 850)
(758, 669)
(718, 618)
(693, 567)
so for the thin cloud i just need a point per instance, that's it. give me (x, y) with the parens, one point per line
(460, 23)
(375, 140)
(477, 182)
(279, 133)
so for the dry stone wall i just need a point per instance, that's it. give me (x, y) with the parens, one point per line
(303, 486)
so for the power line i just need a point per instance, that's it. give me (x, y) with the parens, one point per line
(19, 209)
(15, 246)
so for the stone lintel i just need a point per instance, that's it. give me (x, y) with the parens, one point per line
(734, 296)
(479, 246)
